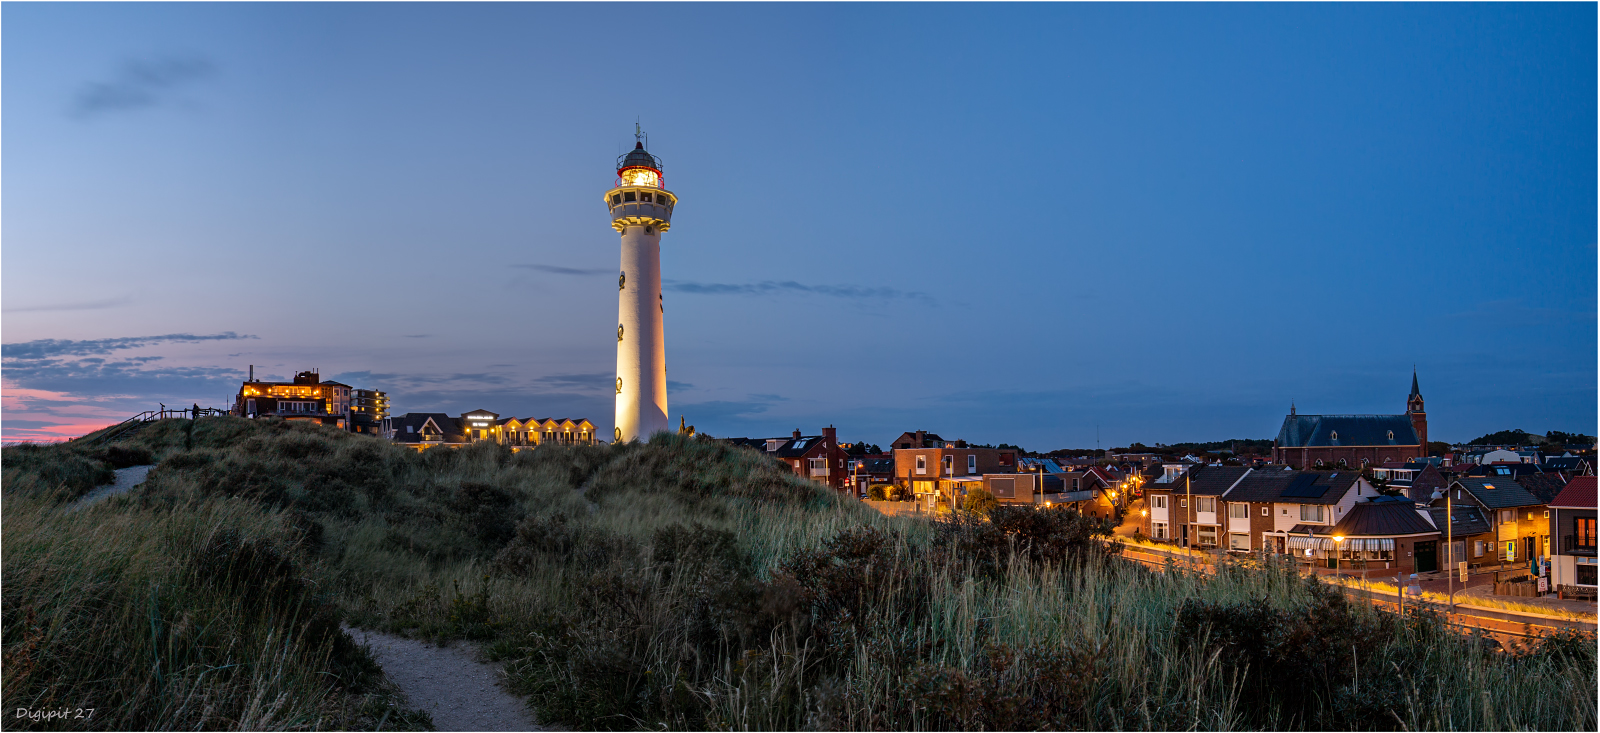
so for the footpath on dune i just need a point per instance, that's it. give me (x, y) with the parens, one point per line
(449, 683)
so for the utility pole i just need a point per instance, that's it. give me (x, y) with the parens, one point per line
(1188, 504)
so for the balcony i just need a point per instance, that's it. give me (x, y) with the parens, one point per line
(1575, 545)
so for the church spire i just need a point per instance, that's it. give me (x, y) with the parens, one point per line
(1415, 392)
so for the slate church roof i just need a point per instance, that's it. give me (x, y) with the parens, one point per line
(1315, 431)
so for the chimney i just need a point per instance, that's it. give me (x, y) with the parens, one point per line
(922, 438)
(797, 433)
(252, 372)
(830, 437)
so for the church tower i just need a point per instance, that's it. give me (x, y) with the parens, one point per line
(1419, 417)
(641, 209)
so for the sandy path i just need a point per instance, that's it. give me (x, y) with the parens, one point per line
(449, 683)
(127, 478)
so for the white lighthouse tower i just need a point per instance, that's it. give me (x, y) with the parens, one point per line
(641, 209)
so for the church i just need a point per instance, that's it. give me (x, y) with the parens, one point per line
(1310, 441)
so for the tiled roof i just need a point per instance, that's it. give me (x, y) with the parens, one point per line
(1563, 463)
(798, 446)
(1466, 520)
(1543, 486)
(1496, 492)
(1383, 519)
(1203, 480)
(1300, 431)
(1579, 494)
(1267, 485)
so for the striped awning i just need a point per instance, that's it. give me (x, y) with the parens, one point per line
(1302, 542)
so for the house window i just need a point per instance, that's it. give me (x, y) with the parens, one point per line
(972, 463)
(922, 465)
(1265, 512)
(1311, 512)
(410, 429)
(1507, 516)
(1208, 536)
(1205, 504)
(1158, 530)
(1585, 571)
(1583, 531)
(1477, 548)
(1184, 503)
(949, 465)
(1238, 541)
(1157, 501)
(1004, 488)
(1239, 511)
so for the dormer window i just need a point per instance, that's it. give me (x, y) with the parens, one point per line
(1334, 435)
(1391, 435)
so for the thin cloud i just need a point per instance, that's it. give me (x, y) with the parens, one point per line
(140, 83)
(770, 287)
(53, 348)
(83, 306)
(555, 270)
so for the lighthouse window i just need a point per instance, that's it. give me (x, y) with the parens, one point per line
(644, 196)
(616, 198)
(627, 195)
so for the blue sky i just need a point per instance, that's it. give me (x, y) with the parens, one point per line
(1019, 223)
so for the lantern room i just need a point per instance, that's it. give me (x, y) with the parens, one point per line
(638, 168)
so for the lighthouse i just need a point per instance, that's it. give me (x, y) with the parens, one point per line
(641, 210)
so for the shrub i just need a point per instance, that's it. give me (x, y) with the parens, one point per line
(979, 501)
(876, 492)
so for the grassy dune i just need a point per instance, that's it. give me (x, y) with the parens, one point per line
(684, 584)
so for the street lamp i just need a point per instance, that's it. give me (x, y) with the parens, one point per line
(1337, 539)
(1450, 545)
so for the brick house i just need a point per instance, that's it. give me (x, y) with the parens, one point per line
(1306, 441)
(1381, 537)
(1185, 508)
(1572, 522)
(921, 470)
(869, 469)
(1520, 520)
(918, 439)
(1276, 510)
(815, 457)
(1417, 479)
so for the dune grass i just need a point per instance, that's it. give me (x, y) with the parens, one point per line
(690, 585)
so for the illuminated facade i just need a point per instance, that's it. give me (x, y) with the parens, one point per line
(641, 209)
(421, 430)
(305, 398)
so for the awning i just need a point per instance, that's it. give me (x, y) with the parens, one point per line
(1373, 544)
(1302, 542)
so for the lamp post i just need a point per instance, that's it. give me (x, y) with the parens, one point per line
(1338, 539)
(1449, 543)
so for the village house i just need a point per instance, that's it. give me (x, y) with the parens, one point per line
(1184, 507)
(938, 476)
(815, 457)
(1381, 536)
(1573, 567)
(1520, 520)
(1280, 510)
(422, 430)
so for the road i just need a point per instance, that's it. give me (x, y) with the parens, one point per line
(1504, 626)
